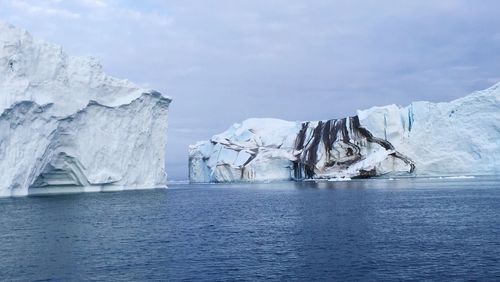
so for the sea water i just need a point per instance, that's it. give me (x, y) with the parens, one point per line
(379, 229)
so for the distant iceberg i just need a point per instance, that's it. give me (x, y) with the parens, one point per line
(65, 126)
(458, 138)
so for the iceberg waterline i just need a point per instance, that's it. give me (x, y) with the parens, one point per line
(461, 137)
(65, 126)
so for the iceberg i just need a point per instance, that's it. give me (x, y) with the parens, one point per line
(65, 126)
(461, 137)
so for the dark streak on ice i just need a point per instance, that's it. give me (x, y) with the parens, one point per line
(344, 136)
(384, 143)
(341, 140)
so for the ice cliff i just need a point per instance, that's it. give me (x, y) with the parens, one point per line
(65, 126)
(461, 137)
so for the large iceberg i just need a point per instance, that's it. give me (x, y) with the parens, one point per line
(65, 126)
(461, 137)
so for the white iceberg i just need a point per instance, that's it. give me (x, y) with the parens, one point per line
(457, 138)
(65, 126)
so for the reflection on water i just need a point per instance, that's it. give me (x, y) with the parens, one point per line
(361, 229)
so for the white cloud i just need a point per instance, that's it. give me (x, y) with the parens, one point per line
(44, 9)
(93, 3)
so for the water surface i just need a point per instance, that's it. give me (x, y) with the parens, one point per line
(359, 230)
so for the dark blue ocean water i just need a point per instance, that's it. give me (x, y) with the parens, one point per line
(358, 230)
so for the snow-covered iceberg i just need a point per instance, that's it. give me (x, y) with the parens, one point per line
(461, 137)
(65, 126)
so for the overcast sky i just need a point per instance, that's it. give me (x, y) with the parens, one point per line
(225, 61)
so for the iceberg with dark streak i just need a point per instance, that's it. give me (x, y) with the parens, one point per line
(65, 126)
(461, 137)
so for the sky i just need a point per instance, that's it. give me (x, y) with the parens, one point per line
(224, 61)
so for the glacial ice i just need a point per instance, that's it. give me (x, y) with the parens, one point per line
(65, 126)
(461, 137)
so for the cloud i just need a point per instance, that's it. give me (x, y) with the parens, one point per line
(44, 9)
(93, 3)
